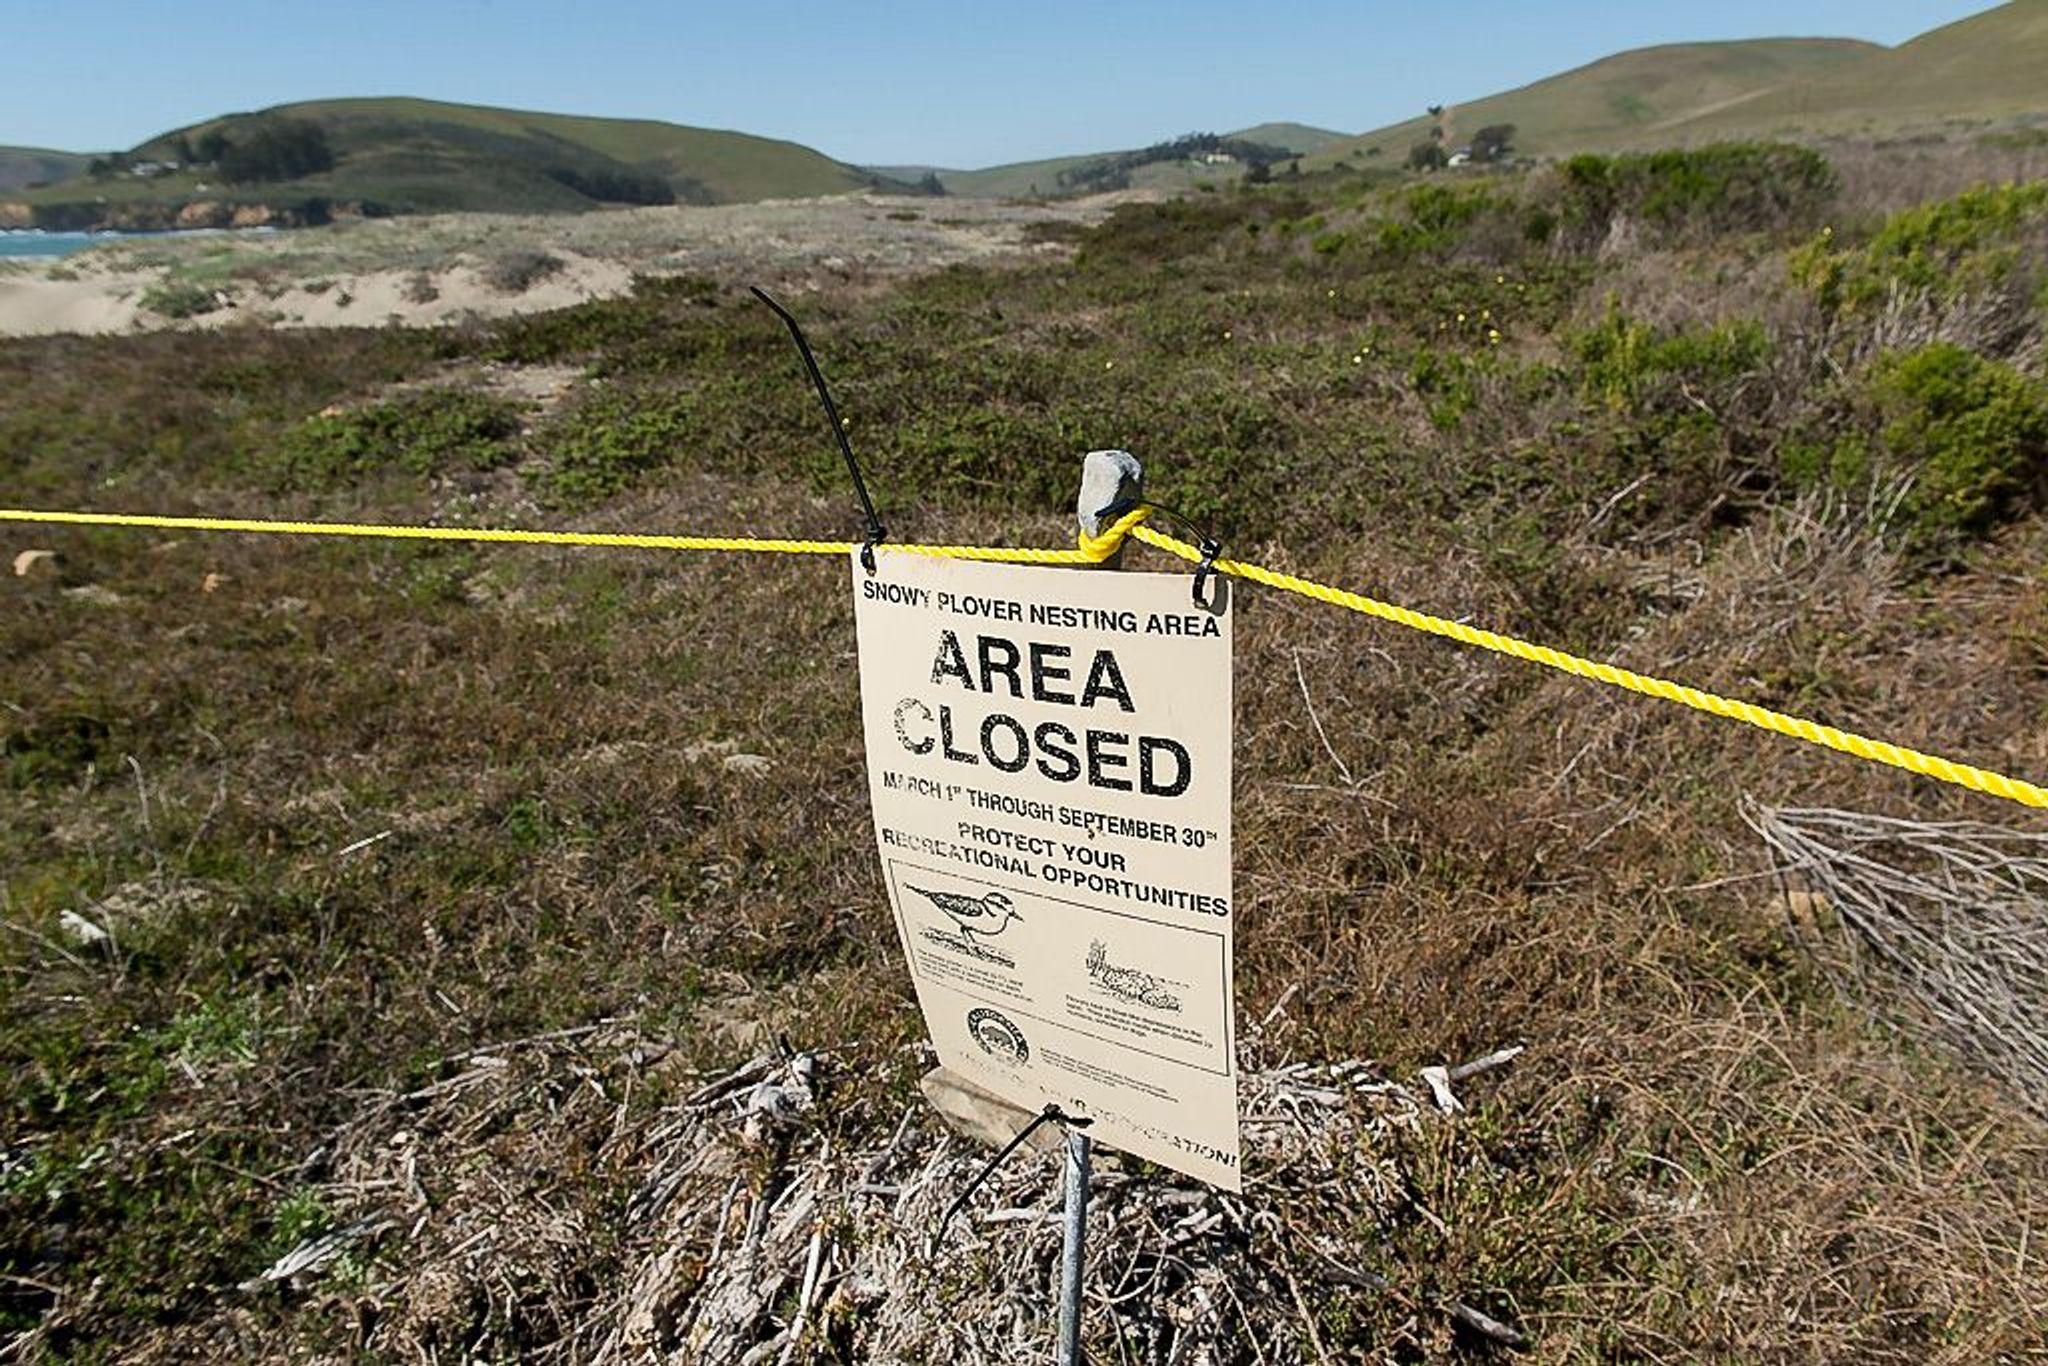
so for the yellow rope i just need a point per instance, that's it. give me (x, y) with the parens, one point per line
(1095, 549)
(1092, 551)
(1799, 728)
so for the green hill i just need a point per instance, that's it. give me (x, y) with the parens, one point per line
(1295, 137)
(1620, 100)
(1992, 65)
(413, 156)
(21, 167)
(1051, 175)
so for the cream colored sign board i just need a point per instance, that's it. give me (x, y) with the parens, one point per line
(1049, 760)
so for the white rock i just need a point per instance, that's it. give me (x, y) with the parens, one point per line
(81, 930)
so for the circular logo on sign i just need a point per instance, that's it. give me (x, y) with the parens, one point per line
(998, 1038)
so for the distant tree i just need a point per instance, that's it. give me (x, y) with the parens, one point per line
(278, 149)
(1261, 173)
(213, 145)
(1428, 156)
(931, 184)
(608, 186)
(99, 168)
(183, 152)
(1293, 170)
(1493, 142)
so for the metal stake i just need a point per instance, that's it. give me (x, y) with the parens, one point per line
(1109, 479)
(1074, 1250)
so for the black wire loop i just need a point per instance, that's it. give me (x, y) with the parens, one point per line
(1051, 1114)
(1210, 546)
(877, 533)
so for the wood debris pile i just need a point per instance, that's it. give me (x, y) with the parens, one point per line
(749, 1231)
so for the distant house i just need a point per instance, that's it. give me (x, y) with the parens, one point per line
(1461, 157)
(1218, 159)
(148, 169)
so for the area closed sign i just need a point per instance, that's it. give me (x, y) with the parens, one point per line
(1049, 760)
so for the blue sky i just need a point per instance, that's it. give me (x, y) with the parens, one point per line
(936, 83)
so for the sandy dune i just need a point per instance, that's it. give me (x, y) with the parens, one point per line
(33, 304)
(427, 271)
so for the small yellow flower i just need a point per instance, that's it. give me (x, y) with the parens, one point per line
(1367, 350)
(1226, 334)
(846, 422)
(1500, 279)
(1333, 293)
(1358, 360)
(1486, 313)
(1493, 335)
(1109, 365)
(1461, 317)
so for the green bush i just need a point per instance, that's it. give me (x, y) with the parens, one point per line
(1947, 248)
(1842, 462)
(180, 299)
(515, 272)
(1973, 431)
(608, 442)
(1433, 218)
(645, 319)
(1728, 187)
(423, 433)
(1142, 233)
(1631, 367)
(1448, 382)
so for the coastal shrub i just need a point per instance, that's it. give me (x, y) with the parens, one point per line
(1433, 218)
(1632, 367)
(180, 299)
(1176, 228)
(644, 319)
(608, 442)
(1448, 382)
(1694, 192)
(515, 272)
(425, 433)
(1947, 248)
(1973, 431)
(1842, 462)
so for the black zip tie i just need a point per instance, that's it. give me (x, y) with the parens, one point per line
(1051, 1113)
(1210, 546)
(877, 533)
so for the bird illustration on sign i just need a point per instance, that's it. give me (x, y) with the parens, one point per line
(978, 918)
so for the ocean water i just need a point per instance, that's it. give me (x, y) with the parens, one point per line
(18, 243)
(28, 242)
